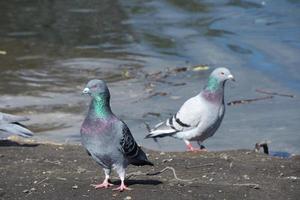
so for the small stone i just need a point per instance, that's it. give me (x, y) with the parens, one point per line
(167, 160)
(75, 187)
(256, 187)
(246, 177)
(25, 191)
(162, 153)
(211, 179)
(220, 191)
(204, 176)
(128, 198)
(35, 182)
(80, 170)
(189, 191)
(32, 189)
(281, 174)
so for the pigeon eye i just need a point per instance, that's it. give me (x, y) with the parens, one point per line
(222, 73)
(93, 86)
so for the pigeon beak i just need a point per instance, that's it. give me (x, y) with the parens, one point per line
(86, 91)
(231, 77)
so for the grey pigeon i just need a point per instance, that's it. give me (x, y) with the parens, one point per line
(107, 138)
(10, 124)
(200, 116)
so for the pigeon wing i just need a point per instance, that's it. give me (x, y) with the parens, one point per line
(130, 148)
(4, 117)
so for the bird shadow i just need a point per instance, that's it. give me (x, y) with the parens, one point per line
(138, 182)
(8, 143)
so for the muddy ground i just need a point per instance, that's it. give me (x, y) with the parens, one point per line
(66, 172)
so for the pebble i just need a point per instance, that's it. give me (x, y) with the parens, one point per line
(75, 187)
(246, 177)
(128, 198)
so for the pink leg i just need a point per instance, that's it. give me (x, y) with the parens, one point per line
(105, 183)
(122, 187)
(193, 149)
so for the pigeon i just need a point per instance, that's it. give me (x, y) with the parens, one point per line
(107, 138)
(200, 116)
(10, 125)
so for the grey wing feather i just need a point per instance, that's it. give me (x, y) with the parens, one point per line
(9, 124)
(11, 118)
(131, 150)
(15, 128)
(128, 145)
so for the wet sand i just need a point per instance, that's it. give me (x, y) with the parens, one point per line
(66, 172)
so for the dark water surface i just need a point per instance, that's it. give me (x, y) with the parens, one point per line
(49, 49)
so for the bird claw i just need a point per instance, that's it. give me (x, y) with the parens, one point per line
(197, 149)
(193, 149)
(121, 188)
(102, 185)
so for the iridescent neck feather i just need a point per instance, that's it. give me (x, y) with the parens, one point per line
(100, 106)
(213, 84)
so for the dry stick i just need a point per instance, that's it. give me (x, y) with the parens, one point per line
(253, 185)
(159, 172)
(274, 93)
(45, 179)
(244, 101)
(196, 166)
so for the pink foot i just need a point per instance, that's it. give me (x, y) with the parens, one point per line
(122, 187)
(193, 149)
(105, 184)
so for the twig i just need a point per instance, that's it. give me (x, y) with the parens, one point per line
(139, 173)
(274, 93)
(253, 185)
(244, 101)
(42, 180)
(196, 166)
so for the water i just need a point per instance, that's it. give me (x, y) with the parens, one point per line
(54, 47)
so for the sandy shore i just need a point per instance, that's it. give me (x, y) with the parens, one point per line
(66, 172)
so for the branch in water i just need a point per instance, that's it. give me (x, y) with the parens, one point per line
(274, 93)
(244, 101)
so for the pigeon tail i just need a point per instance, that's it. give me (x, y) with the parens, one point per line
(16, 128)
(141, 159)
(160, 134)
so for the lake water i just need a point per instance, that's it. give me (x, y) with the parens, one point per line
(50, 49)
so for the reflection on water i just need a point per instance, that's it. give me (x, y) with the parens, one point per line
(40, 38)
(54, 47)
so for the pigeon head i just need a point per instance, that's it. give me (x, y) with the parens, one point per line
(96, 88)
(218, 78)
(99, 92)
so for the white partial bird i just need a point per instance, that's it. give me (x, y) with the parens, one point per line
(200, 116)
